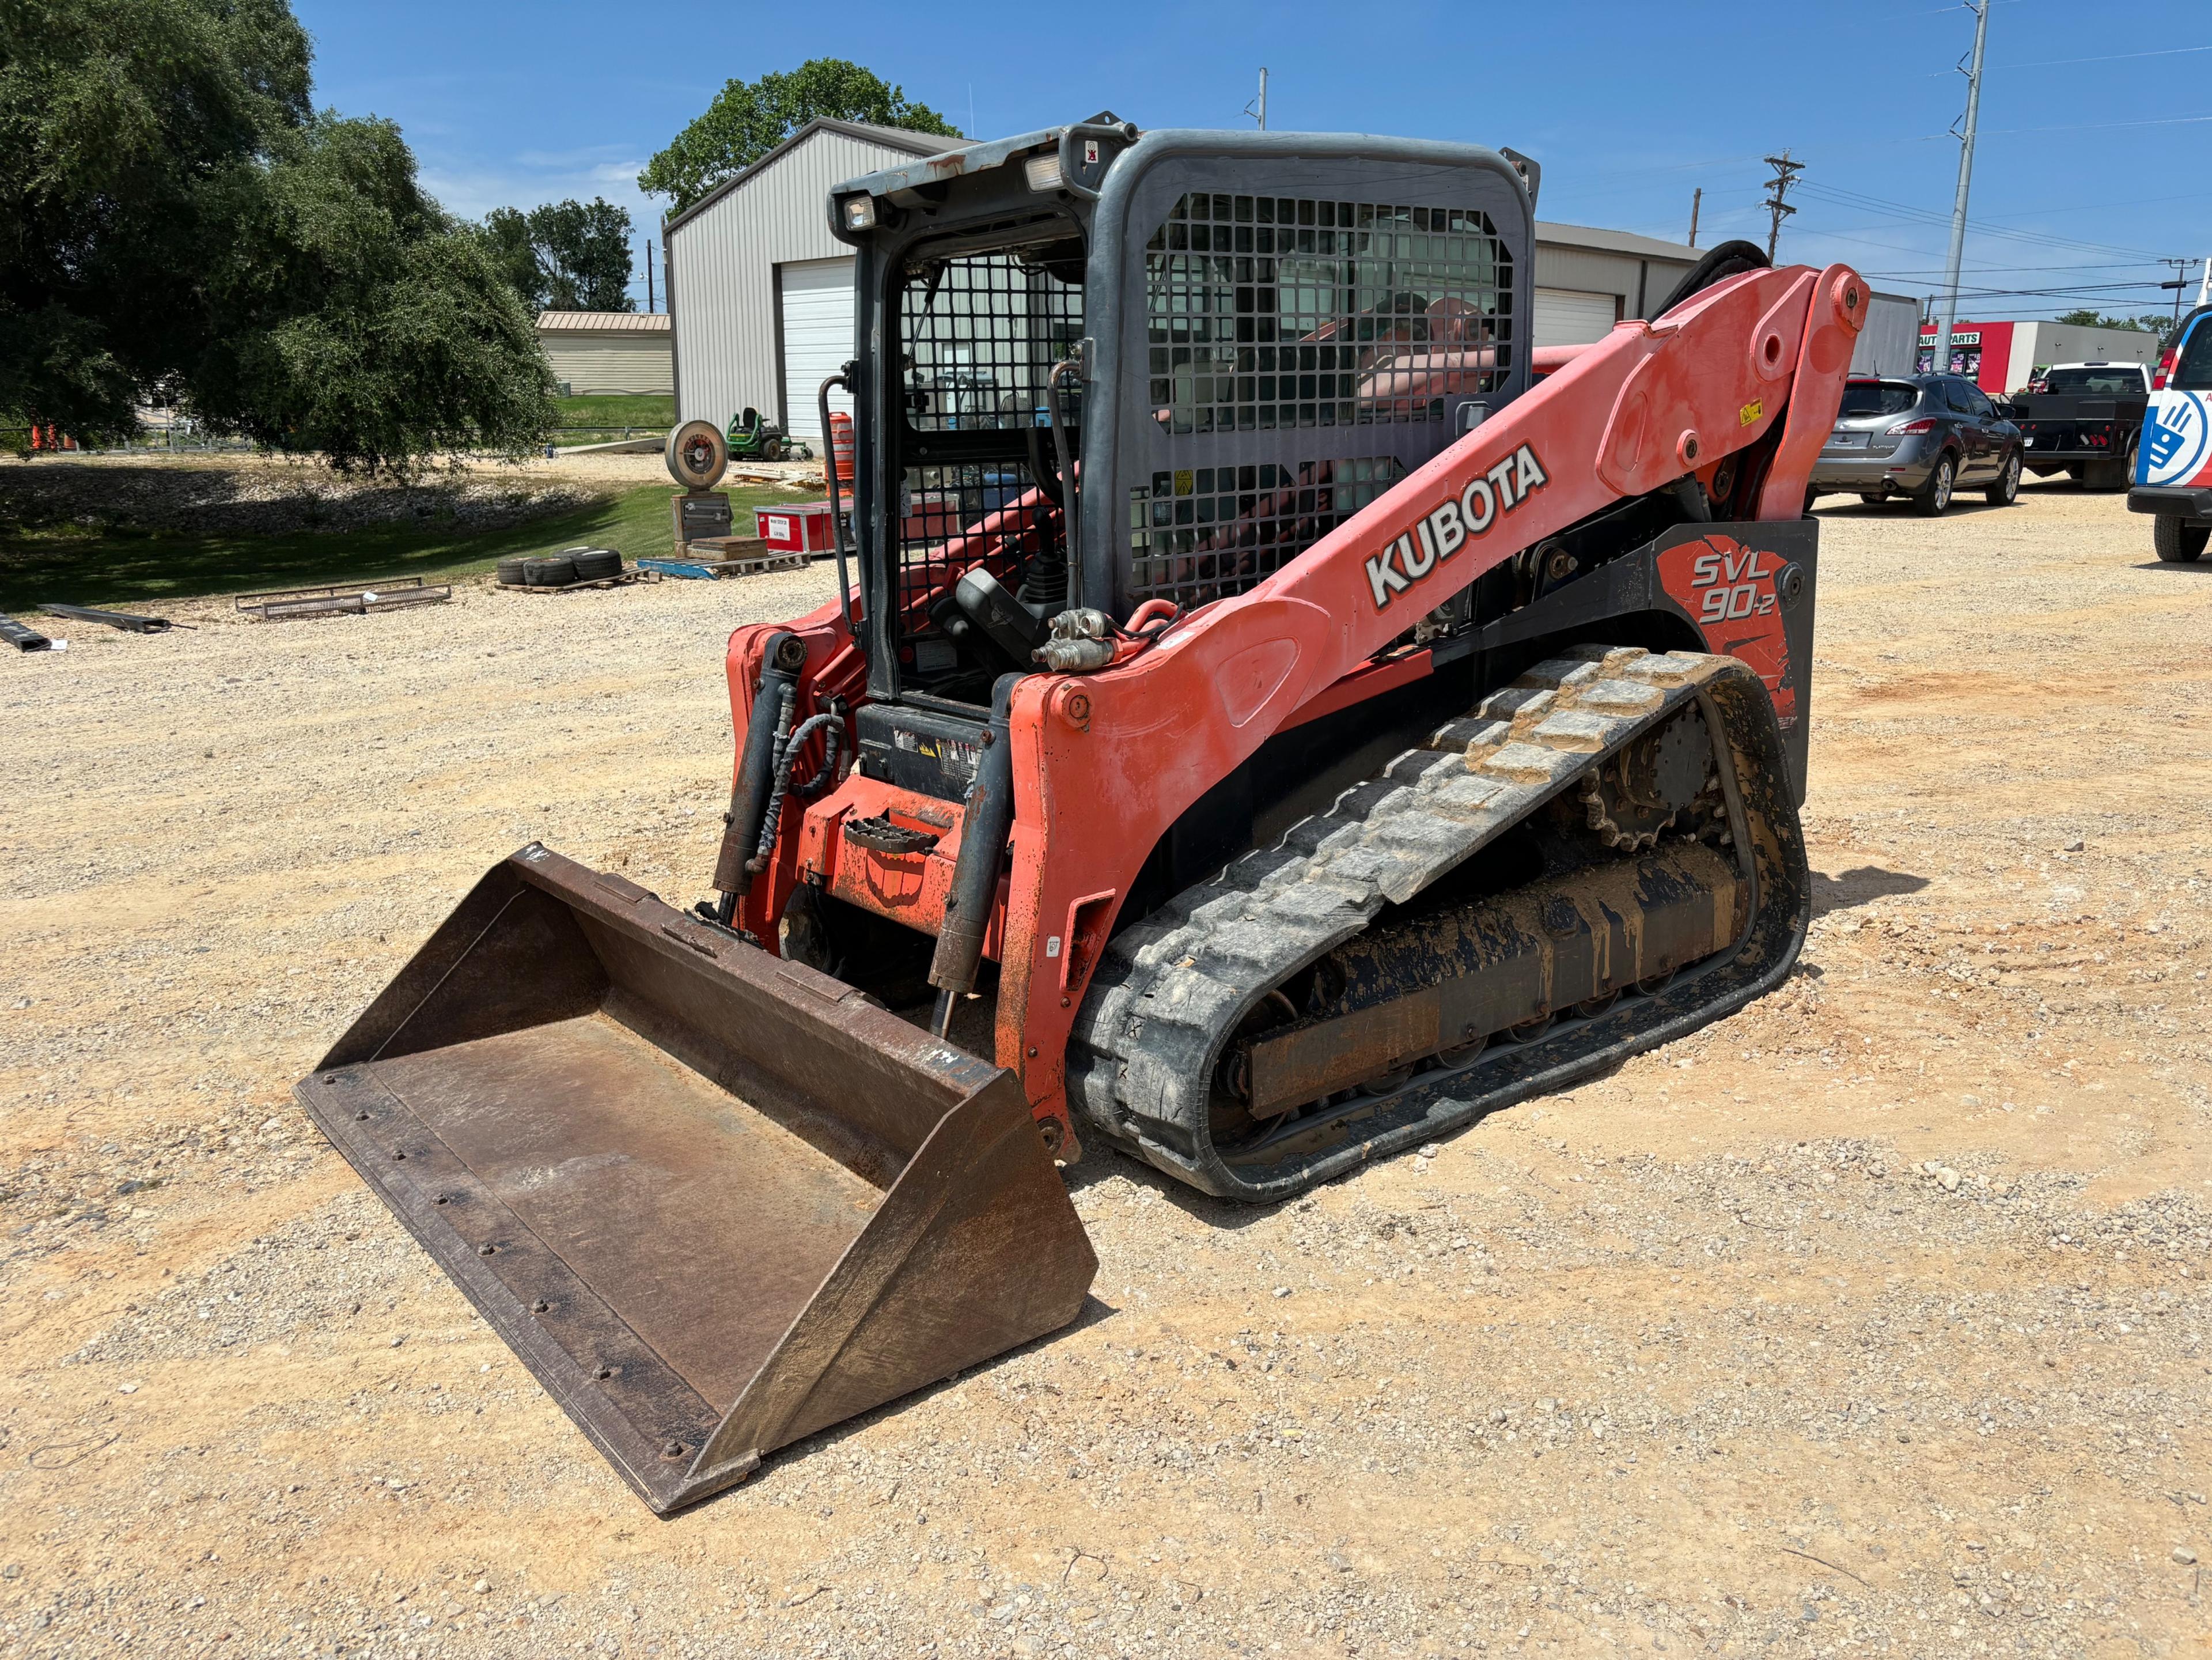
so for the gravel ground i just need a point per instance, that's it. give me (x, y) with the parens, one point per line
(1871, 1320)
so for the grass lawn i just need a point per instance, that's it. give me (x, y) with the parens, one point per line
(84, 567)
(613, 410)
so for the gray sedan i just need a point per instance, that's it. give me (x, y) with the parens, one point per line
(1921, 438)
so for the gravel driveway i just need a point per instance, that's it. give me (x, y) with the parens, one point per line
(1871, 1320)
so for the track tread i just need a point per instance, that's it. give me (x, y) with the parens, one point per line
(1171, 988)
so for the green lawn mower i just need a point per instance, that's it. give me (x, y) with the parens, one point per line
(754, 437)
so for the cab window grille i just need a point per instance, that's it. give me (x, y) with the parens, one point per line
(1202, 533)
(951, 517)
(1268, 314)
(980, 335)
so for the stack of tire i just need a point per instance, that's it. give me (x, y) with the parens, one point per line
(560, 570)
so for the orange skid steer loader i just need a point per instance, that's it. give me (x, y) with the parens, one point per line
(1272, 714)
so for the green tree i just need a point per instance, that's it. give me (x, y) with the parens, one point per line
(749, 119)
(182, 224)
(2151, 322)
(564, 255)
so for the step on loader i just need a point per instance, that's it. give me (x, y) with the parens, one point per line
(1272, 713)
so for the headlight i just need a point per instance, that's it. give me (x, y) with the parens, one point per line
(1042, 171)
(859, 213)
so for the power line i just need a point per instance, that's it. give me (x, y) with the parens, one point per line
(2113, 58)
(2085, 126)
(1924, 216)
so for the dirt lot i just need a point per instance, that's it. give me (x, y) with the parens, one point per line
(1872, 1321)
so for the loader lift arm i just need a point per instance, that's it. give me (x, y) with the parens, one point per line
(1109, 760)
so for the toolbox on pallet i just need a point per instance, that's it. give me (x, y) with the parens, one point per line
(806, 527)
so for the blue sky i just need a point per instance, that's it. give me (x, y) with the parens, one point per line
(2095, 158)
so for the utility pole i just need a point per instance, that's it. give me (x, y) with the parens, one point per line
(648, 274)
(2180, 282)
(1697, 201)
(1785, 174)
(1258, 107)
(2205, 287)
(1965, 177)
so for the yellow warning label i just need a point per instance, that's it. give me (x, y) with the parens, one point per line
(1185, 481)
(1750, 412)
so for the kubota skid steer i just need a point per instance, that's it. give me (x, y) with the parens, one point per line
(1271, 710)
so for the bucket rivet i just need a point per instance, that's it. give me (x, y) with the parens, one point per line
(541, 1306)
(445, 1198)
(673, 1450)
(486, 1250)
(398, 1153)
(603, 1372)
(361, 1118)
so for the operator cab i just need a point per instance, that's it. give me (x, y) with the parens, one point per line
(1097, 368)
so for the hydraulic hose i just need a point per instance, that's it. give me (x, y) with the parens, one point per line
(787, 747)
(781, 662)
(1071, 513)
(986, 822)
(842, 378)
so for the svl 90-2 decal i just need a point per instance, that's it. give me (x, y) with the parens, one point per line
(1447, 527)
(1736, 594)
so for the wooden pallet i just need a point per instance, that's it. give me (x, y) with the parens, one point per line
(621, 582)
(714, 570)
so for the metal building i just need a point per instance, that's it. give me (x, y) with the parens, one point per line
(761, 293)
(607, 351)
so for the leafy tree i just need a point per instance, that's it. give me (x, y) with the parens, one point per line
(2153, 322)
(749, 119)
(182, 224)
(565, 256)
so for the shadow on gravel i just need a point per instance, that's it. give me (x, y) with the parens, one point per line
(1861, 886)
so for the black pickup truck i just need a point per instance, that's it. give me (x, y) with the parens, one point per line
(2083, 419)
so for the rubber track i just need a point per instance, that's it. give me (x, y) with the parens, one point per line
(1174, 987)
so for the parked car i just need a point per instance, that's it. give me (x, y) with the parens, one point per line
(1921, 437)
(2173, 473)
(2084, 419)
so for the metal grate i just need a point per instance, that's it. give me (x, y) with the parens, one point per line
(981, 334)
(1265, 313)
(950, 518)
(1201, 533)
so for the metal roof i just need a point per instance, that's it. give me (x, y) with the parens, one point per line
(603, 322)
(898, 138)
(1616, 241)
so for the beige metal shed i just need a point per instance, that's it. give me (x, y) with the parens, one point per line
(608, 352)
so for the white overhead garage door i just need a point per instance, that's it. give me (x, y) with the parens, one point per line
(1569, 317)
(818, 338)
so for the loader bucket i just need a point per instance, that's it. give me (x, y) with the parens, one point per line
(715, 1200)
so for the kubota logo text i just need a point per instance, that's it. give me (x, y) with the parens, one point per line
(1439, 535)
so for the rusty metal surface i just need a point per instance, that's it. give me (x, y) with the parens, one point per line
(715, 1200)
(342, 600)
